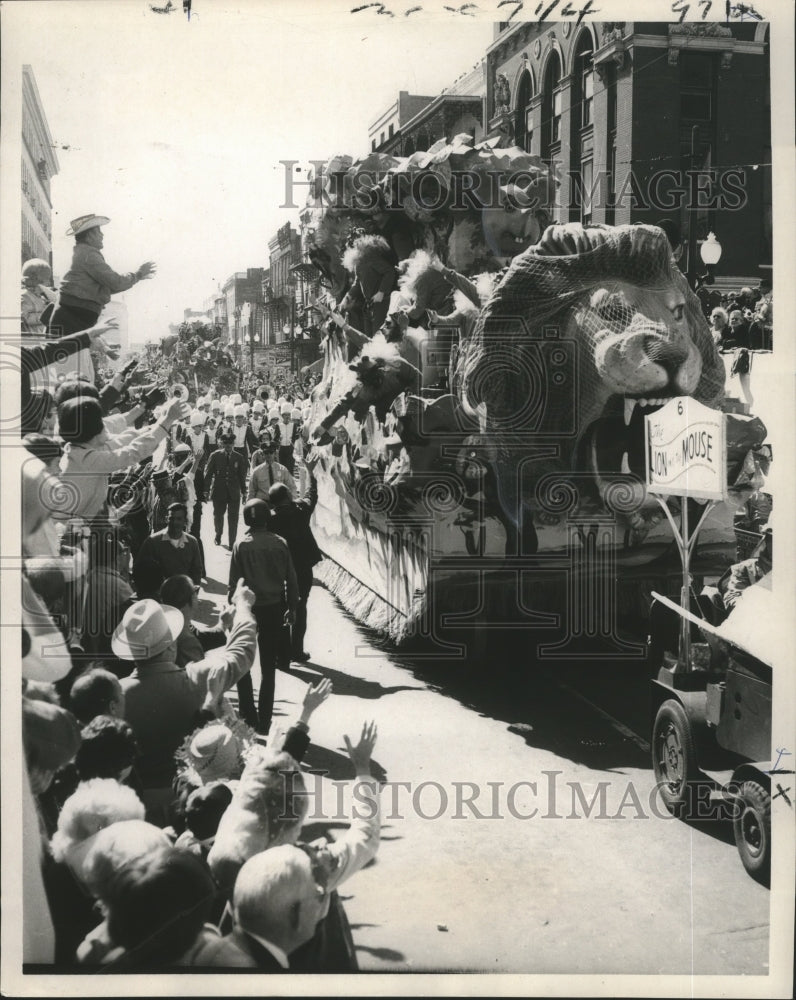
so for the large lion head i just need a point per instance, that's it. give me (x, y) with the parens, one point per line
(588, 331)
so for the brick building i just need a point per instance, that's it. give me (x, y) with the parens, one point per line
(39, 166)
(459, 108)
(617, 106)
(280, 289)
(388, 125)
(241, 288)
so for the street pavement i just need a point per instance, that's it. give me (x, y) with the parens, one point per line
(468, 877)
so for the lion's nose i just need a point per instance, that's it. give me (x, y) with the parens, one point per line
(670, 356)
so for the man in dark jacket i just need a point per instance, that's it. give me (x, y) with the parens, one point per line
(291, 521)
(225, 484)
(262, 561)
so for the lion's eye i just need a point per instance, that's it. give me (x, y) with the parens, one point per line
(678, 311)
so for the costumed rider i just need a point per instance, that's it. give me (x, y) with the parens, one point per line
(370, 261)
(382, 375)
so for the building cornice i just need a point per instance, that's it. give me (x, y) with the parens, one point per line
(436, 104)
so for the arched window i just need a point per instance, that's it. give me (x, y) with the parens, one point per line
(584, 78)
(581, 119)
(551, 104)
(523, 124)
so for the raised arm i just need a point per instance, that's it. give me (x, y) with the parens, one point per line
(225, 667)
(95, 265)
(360, 842)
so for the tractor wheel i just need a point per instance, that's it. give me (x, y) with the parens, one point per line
(752, 829)
(674, 758)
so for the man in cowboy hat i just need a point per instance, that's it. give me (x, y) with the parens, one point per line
(161, 700)
(87, 286)
(225, 484)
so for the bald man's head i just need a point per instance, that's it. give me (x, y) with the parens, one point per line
(276, 897)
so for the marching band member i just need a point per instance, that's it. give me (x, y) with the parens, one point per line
(199, 440)
(258, 417)
(287, 437)
(245, 440)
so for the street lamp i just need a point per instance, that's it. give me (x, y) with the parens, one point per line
(710, 250)
(249, 340)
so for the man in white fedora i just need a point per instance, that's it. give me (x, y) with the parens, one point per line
(161, 699)
(87, 286)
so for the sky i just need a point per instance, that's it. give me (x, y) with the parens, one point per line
(175, 129)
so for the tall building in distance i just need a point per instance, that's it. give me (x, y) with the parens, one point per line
(39, 166)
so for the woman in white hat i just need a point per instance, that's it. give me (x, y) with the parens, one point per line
(87, 286)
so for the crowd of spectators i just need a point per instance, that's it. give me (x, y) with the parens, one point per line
(162, 814)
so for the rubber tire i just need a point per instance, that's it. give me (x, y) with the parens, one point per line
(755, 807)
(672, 722)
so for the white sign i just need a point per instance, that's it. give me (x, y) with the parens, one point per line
(686, 450)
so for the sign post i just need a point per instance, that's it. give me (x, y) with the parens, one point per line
(686, 453)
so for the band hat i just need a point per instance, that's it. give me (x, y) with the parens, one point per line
(215, 406)
(84, 222)
(197, 418)
(146, 629)
(241, 410)
(285, 408)
(295, 414)
(258, 406)
(229, 410)
(237, 399)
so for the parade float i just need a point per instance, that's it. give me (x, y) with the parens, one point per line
(481, 443)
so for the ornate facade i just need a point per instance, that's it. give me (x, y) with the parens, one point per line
(629, 111)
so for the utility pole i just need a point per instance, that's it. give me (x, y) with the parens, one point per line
(292, 332)
(692, 209)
